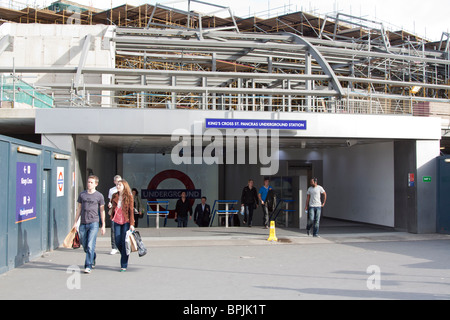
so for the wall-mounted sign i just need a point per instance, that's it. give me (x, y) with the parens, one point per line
(60, 181)
(256, 124)
(26, 189)
(411, 180)
(426, 179)
(152, 188)
(170, 194)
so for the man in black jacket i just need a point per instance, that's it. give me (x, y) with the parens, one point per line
(202, 214)
(249, 200)
(183, 211)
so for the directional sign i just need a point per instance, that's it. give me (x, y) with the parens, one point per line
(26, 189)
(426, 179)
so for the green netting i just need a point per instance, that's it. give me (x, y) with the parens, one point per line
(24, 93)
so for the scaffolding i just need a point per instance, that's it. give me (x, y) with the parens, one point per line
(167, 57)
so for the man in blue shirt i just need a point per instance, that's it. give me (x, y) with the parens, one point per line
(263, 191)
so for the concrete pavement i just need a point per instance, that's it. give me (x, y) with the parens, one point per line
(347, 262)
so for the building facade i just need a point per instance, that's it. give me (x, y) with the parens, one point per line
(176, 94)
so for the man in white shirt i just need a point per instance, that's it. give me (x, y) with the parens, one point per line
(112, 191)
(314, 206)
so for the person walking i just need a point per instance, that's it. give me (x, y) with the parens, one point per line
(123, 217)
(112, 191)
(202, 214)
(249, 200)
(90, 202)
(137, 207)
(182, 209)
(314, 206)
(262, 195)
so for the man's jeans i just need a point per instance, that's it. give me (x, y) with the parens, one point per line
(113, 237)
(314, 219)
(265, 210)
(248, 214)
(88, 239)
(182, 222)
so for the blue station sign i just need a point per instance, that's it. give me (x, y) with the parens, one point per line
(256, 124)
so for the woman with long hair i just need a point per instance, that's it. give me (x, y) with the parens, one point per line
(123, 217)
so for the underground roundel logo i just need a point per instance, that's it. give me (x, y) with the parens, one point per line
(171, 174)
(60, 181)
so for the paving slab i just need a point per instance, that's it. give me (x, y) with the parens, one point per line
(240, 264)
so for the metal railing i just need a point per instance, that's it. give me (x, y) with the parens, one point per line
(353, 104)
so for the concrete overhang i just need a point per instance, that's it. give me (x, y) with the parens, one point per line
(164, 122)
(17, 121)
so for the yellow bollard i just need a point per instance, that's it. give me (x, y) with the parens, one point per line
(273, 236)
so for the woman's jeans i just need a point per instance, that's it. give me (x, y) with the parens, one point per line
(88, 239)
(314, 219)
(120, 233)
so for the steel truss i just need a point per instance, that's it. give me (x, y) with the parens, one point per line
(225, 68)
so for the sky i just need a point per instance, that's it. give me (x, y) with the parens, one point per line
(425, 18)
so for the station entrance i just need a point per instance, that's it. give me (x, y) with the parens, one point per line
(372, 167)
(365, 179)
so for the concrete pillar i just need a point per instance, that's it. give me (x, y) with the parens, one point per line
(415, 202)
(426, 153)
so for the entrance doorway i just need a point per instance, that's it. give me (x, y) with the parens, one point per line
(301, 172)
(291, 190)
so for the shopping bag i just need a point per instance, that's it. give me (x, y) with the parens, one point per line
(68, 241)
(128, 243)
(142, 251)
(134, 246)
(76, 241)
